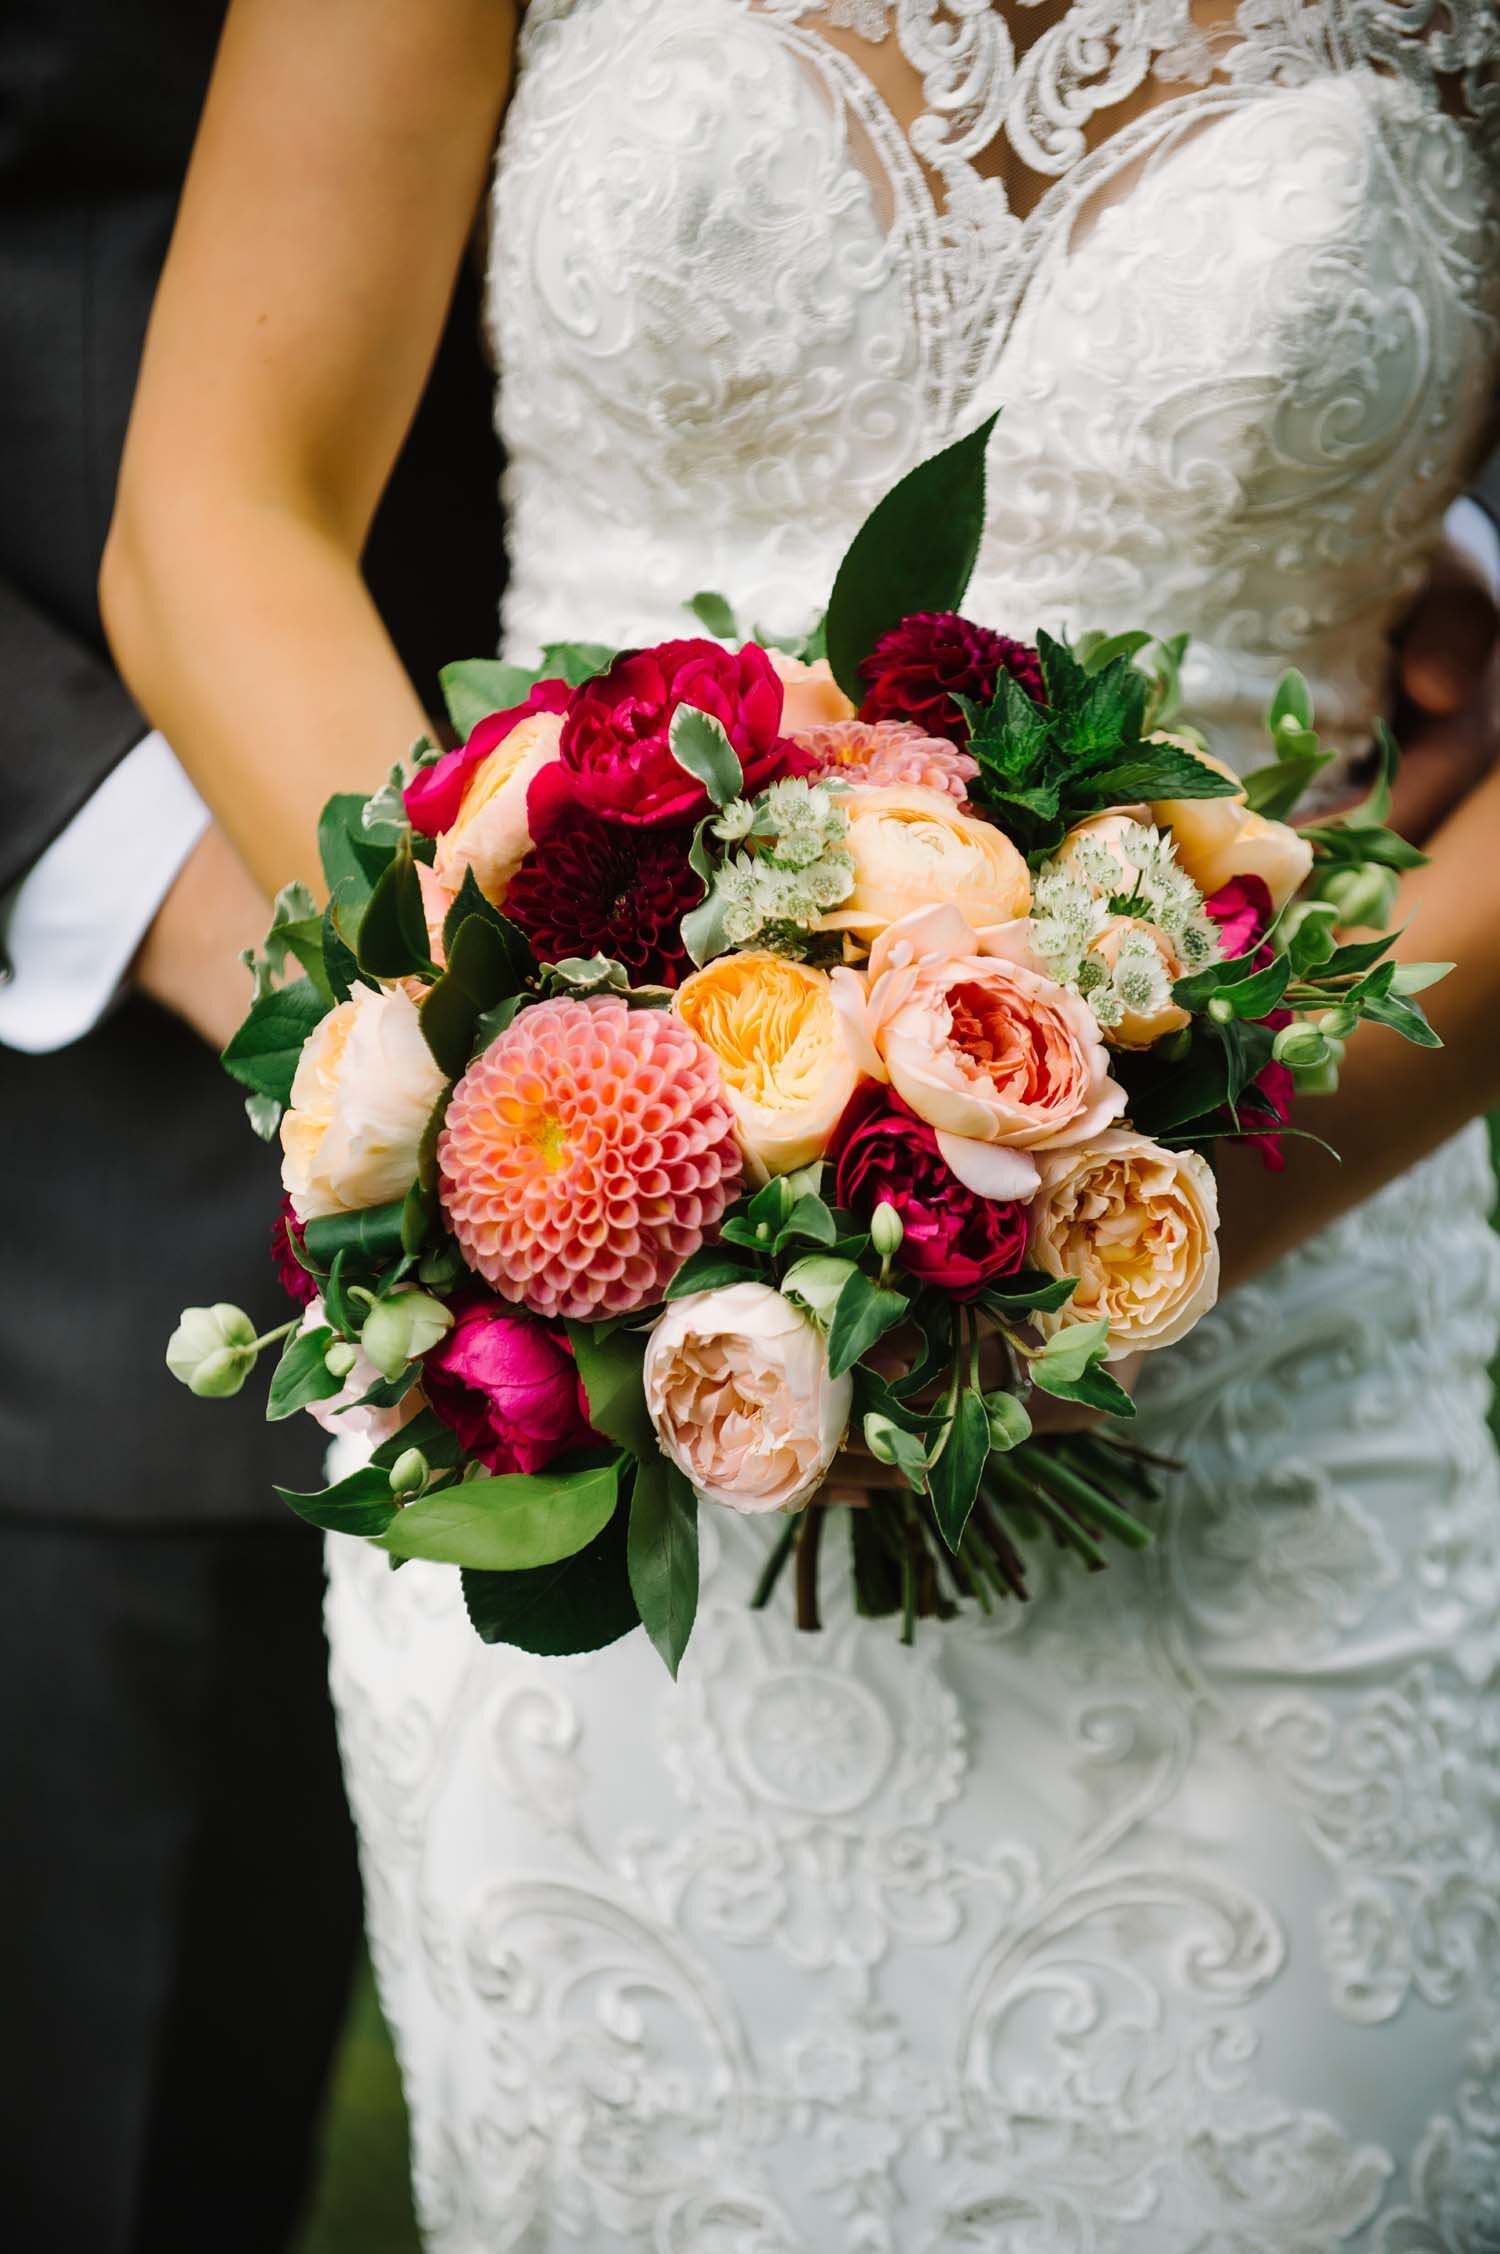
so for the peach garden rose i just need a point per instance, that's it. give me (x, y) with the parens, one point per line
(811, 696)
(1138, 1226)
(1218, 839)
(912, 846)
(362, 1095)
(1001, 1060)
(739, 1392)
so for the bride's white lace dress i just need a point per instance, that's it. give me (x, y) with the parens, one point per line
(1163, 1916)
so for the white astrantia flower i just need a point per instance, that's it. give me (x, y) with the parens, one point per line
(794, 867)
(1131, 872)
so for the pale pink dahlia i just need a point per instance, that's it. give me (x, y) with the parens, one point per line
(586, 1154)
(889, 752)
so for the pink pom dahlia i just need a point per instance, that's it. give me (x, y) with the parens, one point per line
(586, 1154)
(886, 753)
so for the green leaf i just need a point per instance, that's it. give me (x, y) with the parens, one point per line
(953, 1480)
(1153, 771)
(1256, 996)
(809, 1222)
(707, 1270)
(361, 1504)
(264, 1053)
(1071, 1350)
(611, 1372)
(580, 1604)
(301, 1375)
(264, 1114)
(864, 1313)
(340, 965)
(1415, 978)
(1095, 651)
(1199, 986)
(1092, 1389)
(1292, 701)
(1030, 1293)
(1347, 845)
(438, 1442)
(510, 1524)
(1218, 1066)
(703, 932)
(1276, 789)
(393, 940)
(474, 687)
(576, 662)
(715, 613)
(1374, 810)
(352, 862)
(661, 1556)
(370, 1236)
(1409, 1019)
(701, 747)
(480, 972)
(914, 552)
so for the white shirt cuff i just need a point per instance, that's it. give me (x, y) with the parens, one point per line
(82, 910)
(1473, 531)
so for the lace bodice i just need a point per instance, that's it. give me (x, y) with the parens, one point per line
(1233, 276)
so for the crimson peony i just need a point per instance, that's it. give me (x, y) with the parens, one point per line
(955, 1240)
(616, 759)
(508, 1387)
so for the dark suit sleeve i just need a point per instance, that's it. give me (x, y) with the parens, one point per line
(65, 721)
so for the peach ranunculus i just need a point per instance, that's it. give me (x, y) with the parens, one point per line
(784, 1054)
(490, 835)
(1000, 1059)
(739, 1392)
(811, 696)
(911, 847)
(1138, 1226)
(1218, 839)
(362, 1095)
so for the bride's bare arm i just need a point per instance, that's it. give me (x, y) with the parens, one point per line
(1394, 1103)
(341, 160)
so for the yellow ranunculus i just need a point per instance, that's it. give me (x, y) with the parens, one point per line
(490, 835)
(912, 848)
(1219, 838)
(787, 1062)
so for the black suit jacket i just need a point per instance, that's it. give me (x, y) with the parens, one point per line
(130, 1183)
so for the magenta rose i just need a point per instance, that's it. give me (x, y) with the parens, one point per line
(955, 1239)
(1243, 912)
(509, 1388)
(285, 1237)
(435, 794)
(615, 759)
(917, 670)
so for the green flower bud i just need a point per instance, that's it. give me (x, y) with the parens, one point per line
(1220, 1009)
(212, 1351)
(1321, 1079)
(340, 1358)
(1304, 1047)
(1314, 920)
(882, 1438)
(402, 1327)
(1339, 1024)
(815, 1283)
(1363, 896)
(886, 1230)
(409, 1473)
(1009, 1423)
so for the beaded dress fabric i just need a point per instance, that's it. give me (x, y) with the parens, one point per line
(1161, 1916)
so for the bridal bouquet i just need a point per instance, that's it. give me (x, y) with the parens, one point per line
(734, 1054)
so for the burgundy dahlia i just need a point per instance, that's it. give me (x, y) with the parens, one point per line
(597, 888)
(955, 1239)
(918, 668)
(295, 1280)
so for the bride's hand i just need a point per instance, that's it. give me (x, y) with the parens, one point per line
(1447, 693)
